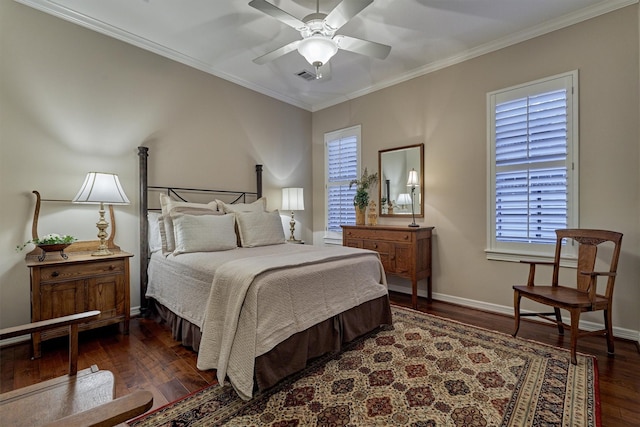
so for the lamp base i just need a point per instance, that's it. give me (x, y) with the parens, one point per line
(102, 252)
(292, 228)
(413, 213)
(102, 225)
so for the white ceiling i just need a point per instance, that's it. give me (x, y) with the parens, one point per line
(223, 37)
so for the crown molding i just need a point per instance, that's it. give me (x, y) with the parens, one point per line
(594, 11)
(146, 44)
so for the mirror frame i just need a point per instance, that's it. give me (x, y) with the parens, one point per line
(420, 190)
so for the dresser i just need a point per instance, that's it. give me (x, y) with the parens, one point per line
(404, 251)
(81, 282)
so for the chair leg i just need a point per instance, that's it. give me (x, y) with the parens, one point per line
(609, 328)
(516, 308)
(575, 321)
(559, 320)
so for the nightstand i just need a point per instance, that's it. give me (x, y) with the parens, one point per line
(81, 282)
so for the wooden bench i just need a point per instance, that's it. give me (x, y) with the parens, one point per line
(84, 398)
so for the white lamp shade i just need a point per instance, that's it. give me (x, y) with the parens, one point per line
(101, 187)
(413, 178)
(292, 199)
(317, 49)
(403, 199)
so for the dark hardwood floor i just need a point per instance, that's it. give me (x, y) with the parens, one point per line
(148, 358)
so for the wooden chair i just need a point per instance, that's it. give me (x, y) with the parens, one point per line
(82, 398)
(581, 297)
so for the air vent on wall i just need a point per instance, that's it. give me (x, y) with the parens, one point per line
(304, 74)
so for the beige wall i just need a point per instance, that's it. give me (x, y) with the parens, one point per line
(73, 100)
(447, 111)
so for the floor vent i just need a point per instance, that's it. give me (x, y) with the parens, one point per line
(304, 74)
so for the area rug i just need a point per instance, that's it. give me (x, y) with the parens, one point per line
(423, 371)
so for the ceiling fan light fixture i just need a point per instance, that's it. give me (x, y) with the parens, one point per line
(317, 49)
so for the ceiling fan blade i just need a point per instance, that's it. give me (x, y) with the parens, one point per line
(344, 11)
(279, 14)
(363, 47)
(277, 53)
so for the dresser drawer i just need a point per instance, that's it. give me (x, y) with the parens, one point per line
(387, 235)
(353, 243)
(380, 247)
(79, 271)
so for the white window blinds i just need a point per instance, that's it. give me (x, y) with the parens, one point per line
(531, 170)
(533, 164)
(342, 154)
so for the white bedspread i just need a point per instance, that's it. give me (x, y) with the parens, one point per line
(256, 303)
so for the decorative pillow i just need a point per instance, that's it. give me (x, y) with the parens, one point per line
(163, 237)
(204, 233)
(155, 240)
(259, 205)
(168, 204)
(260, 228)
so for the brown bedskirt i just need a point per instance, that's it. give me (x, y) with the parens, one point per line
(292, 354)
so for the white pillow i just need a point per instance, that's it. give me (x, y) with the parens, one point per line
(259, 205)
(163, 237)
(204, 233)
(168, 204)
(155, 240)
(260, 228)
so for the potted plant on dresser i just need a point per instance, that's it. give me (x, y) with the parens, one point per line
(361, 199)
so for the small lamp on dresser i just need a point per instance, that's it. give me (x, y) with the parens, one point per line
(412, 182)
(292, 200)
(100, 188)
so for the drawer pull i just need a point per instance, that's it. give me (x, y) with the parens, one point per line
(55, 274)
(375, 245)
(406, 237)
(112, 267)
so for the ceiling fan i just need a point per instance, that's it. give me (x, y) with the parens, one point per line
(318, 30)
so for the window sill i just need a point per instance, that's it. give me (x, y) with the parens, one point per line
(495, 255)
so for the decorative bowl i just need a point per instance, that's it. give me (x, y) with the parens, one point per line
(55, 247)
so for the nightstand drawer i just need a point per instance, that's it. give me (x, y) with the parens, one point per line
(79, 271)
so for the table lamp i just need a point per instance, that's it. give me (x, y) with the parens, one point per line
(100, 188)
(292, 200)
(412, 182)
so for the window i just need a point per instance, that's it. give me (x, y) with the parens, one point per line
(342, 161)
(533, 166)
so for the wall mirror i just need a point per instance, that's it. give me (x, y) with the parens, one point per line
(394, 194)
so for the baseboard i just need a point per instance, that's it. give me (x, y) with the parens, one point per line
(628, 334)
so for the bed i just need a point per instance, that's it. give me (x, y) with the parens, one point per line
(254, 307)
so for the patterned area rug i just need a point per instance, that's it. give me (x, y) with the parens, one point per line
(423, 371)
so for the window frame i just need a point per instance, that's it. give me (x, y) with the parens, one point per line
(512, 251)
(335, 237)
